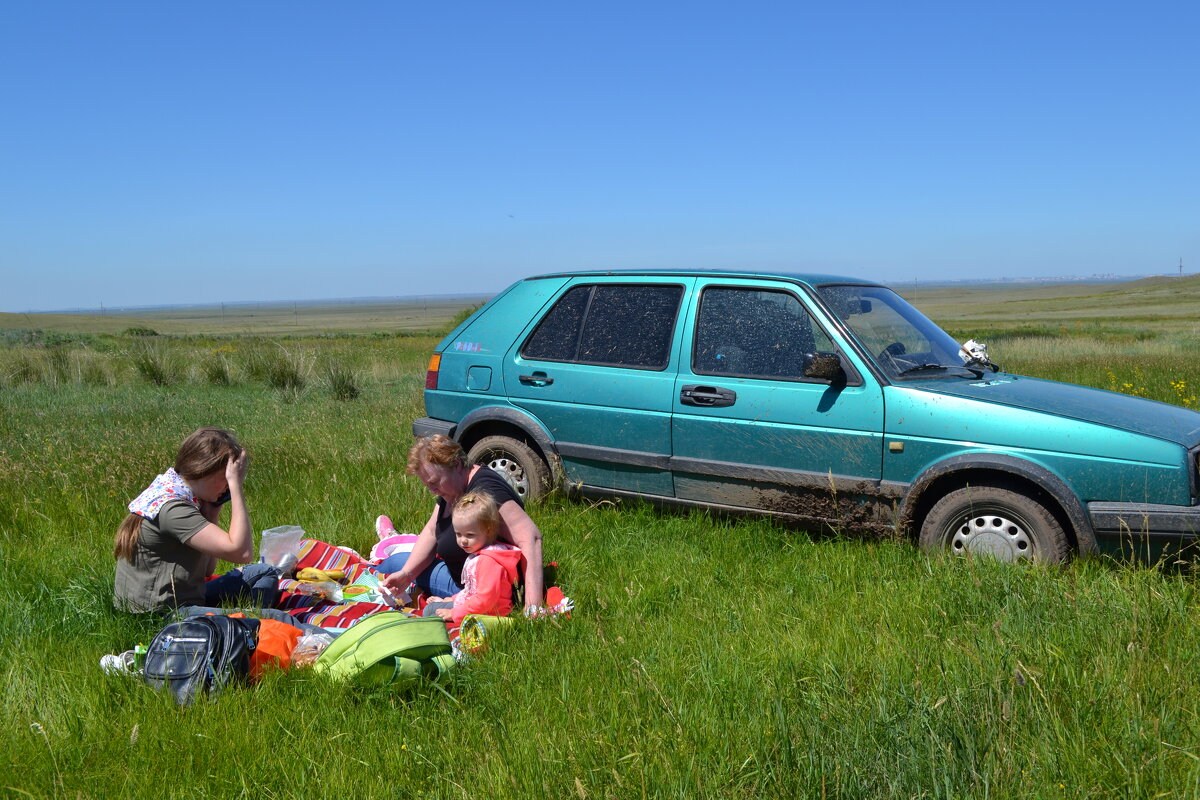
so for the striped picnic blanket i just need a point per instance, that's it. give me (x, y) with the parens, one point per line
(360, 588)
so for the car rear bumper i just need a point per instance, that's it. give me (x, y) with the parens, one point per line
(1149, 520)
(428, 426)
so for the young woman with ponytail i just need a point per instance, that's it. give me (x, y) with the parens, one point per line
(170, 541)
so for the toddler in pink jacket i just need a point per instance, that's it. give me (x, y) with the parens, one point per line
(491, 568)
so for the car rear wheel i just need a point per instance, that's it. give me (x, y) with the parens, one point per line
(997, 522)
(516, 462)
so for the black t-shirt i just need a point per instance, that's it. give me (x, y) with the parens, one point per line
(486, 481)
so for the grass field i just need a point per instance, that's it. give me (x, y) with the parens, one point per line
(1167, 304)
(707, 657)
(261, 319)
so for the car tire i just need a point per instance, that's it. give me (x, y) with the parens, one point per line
(518, 463)
(993, 521)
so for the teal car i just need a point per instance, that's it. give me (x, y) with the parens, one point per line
(821, 399)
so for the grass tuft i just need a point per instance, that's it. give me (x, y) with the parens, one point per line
(342, 381)
(153, 363)
(280, 368)
(215, 370)
(91, 369)
(24, 367)
(58, 365)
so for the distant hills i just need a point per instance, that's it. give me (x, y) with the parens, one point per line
(1167, 302)
(417, 299)
(1027, 281)
(997, 302)
(241, 306)
(356, 315)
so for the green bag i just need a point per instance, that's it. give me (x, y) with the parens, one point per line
(389, 648)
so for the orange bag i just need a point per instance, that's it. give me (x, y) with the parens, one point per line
(276, 641)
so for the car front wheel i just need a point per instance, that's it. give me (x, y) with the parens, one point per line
(992, 521)
(517, 463)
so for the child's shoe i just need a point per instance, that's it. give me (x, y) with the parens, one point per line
(383, 526)
(123, 664)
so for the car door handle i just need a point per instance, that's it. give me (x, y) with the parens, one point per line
(536, 379)
(707, 396)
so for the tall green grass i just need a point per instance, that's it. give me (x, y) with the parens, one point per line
(707, 657)
(335, 366)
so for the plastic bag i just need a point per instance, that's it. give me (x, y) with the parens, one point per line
(322, 590)
(280, 547)
(308, 647)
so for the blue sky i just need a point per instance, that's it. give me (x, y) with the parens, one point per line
(187, 152)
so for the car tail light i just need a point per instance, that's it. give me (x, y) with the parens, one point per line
(431, 373)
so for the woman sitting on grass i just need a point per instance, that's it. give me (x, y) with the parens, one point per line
(436, 561)
(169, 543)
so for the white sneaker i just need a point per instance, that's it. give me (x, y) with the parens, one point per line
(122, 664)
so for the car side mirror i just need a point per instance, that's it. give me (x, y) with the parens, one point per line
(823, 366)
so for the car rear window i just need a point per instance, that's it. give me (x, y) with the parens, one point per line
(614, 325)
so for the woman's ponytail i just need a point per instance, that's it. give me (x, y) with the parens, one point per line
(126, 539)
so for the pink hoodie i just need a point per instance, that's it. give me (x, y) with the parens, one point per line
(488, 579)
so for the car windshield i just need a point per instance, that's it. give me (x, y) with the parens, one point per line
(903, 341)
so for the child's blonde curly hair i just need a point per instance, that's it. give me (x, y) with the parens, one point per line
(477, 510)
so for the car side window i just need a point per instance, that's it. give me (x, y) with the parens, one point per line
(755, 333)
(557, 335)
(609, 325)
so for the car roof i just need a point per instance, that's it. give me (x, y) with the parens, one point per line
(808, 278)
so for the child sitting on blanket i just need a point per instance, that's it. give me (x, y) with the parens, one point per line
(490, 571)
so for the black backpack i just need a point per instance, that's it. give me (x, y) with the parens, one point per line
(199, 655)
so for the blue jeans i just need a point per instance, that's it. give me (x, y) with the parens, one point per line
(257, 584)
(435, 579)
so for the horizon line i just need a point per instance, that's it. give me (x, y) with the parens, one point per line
(103, 310)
